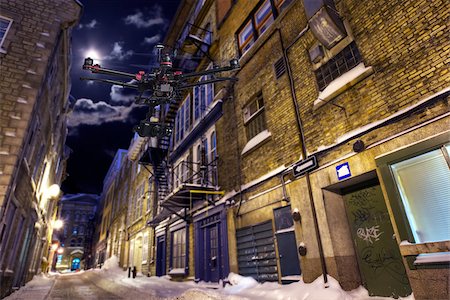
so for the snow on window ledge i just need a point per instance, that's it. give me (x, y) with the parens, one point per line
(3, 51)
(430, 258)
(177, 271)
(256, 140)
(342, 83)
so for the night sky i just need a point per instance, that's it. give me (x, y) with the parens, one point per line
(120, 35)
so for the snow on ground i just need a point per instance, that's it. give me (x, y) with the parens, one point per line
(37, 288)
(241, 288)
(113, 279)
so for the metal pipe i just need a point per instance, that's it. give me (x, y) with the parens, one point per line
(303, 145)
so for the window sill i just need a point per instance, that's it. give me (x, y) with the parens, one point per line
(256, 141)
(342, 83)
(407, 248)
(432, 258)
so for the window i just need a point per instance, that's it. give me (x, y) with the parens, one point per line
(144, 247)
(344, 61)
(212, 157)
(254, 117)
(75, 230)
(5, 24)
(258, 22)
(183, 120)
(423, 183)
(246, 37)
(203, 96)
(179, 249)
(263, 17)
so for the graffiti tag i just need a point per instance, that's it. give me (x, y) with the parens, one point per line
(367, 234)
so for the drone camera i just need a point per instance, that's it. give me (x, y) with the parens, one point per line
(152, 129)
(88, 62)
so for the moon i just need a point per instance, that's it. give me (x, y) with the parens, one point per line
(92, 53)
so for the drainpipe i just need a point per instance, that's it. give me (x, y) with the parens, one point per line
(303, 145)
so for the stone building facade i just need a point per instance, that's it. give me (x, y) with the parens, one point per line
(78, 213)
(34, 80)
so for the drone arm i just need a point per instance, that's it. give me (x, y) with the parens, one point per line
(97, 69)
(124, 84)
(190, 85)
(234, 65)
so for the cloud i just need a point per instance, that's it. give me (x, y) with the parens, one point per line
(88, 112)
(118, 52)
(121, 95)
(152, 18)
(91, 25)
(152, 40)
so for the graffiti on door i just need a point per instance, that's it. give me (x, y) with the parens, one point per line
(369, 234)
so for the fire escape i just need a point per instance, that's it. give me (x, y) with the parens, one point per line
(177, 195)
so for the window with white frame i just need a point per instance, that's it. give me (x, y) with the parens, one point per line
(254, 117)
(139, 201)
(5, 25)
(423, 183)
(258, 22)
(179, 249)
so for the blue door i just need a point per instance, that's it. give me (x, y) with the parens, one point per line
(212, 253)
(160, 255)
(75, 264)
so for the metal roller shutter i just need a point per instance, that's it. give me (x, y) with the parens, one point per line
(256, 252)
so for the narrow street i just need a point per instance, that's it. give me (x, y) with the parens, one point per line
(80, 287)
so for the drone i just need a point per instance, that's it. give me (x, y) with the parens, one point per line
(161, 86)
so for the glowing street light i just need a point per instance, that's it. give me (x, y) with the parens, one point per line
(53, 191)
(58, 224)
(60, 250)
(55, 246)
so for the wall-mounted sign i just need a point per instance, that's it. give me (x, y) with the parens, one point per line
(304, 166)
(343, 171)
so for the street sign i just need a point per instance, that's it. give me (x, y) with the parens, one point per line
(343, 171)
(304, 166)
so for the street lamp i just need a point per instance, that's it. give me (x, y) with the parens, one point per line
(60, 250)
(58, 224)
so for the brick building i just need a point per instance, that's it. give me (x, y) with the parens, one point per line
(34, 80)
(78, 213)
(331, 151)
(320, 140)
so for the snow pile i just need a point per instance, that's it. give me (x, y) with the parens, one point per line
(112, 265)
(299, 290)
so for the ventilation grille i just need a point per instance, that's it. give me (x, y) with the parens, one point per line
(280, 68)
